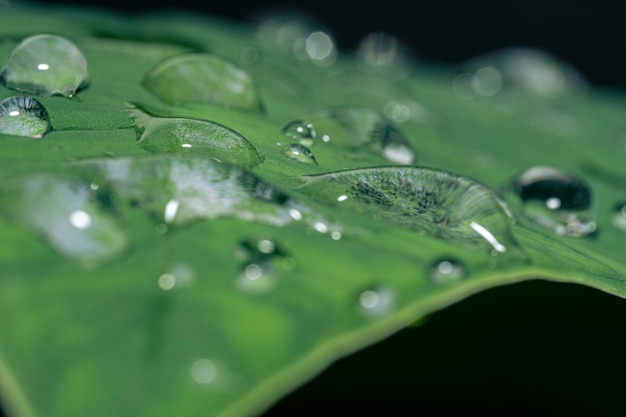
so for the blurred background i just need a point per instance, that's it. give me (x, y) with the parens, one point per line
(532, 349)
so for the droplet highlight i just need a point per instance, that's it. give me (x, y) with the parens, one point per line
(46, 65)
(303, 132)
(376, 301)
(205, 79)
(427, 201)
(446, 271)
(299, 153)
(260, 259)
(555, 200)
(23, 116)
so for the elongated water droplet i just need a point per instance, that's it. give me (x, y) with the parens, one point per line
(23, 116)
(555, 200)
(63, 212)
(524, 70)
(299, 153)
(444, 271)
(354, 127)
(618, 216)
(303, 132)
(46, 65)
(180, 189)
(432, 202)
(165, 134)
(376, 301)
(203, 78)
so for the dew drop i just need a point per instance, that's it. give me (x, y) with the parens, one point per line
(260, 258)
(203, 371)
(46, 65)
(167, 282)
(376, 301)
(301, 131)
(203, 78)
(428, 201)
(354, 127)
(320, 48)
(23, 116)
(66, 215)
(555, 200)
(445, 271)
(299, 153)
(181, 135)
(618, 216)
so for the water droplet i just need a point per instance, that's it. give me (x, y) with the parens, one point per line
(525, 70)
(46, 65)
(284, 31)
(299, 153)
(428, 201)
(381, 52)
(260, 258)
(66, 214)
(445, 271)
(203, 78)
(376, 301)
(555, 200)
(618, 217)
(203, 371)
(167, 282)
(301, 131)
(165, 134)
(354, 127)
(23, 116)
(320, 48)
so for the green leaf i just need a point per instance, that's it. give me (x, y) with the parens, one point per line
(142, 280)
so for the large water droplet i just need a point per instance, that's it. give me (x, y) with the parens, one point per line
(46, 65)
(299, 153)
(177, 189)
(447, 270)
(428, 201)
(303, 132)
(355, 127)
(555, 200)
(618, 216)
(376, 301)
(64, 212)
(165, 134)
(23, 116)
(525, 70)
(203, 78)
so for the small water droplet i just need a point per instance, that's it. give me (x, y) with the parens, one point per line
(428, 201)
(335, 235)
(165, 134)
(381, 52)
(301, 131)
(46, 65)
(167, 282)
(447, 270)
(320, 48)
(555, 200)
(203, 78)
(299, 153)
(376, 301)
(618, 216)
(23, 116)
(203, 371)
(260, 257)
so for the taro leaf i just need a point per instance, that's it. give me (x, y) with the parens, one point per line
(225, 314)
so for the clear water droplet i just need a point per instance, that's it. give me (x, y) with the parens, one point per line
(299, 153)
(301, 131)
(618, 216)
(46, 65)
(355, 127)
(67, 215)
(203, 78)
(428, 201)
(23, 116)
(555, 200)
(448, 270)
(181, 135)
(203, 371)
(376, 301)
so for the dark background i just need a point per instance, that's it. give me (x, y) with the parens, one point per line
(532, 349)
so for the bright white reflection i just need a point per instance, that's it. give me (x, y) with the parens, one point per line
(295, 214)
(14, 113)
(167, 282)
(203, 371)
(80, 219)
(43, 67)
(342, 198)
(553, 203)
(376, 301)
(171, 208)
(320, 227)
(253, 272)
(266, 246)
(486, 234)
(399, 154)
(186, 145)
(320, 48)
(336, 235)
(445, 267)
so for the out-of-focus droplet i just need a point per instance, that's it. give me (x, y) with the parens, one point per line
(23, 116)
(381, 52)
(376, 301)
(321, 49)
(299, 153)
(203, 371)
(618, 216)
(46, 65)
(260, 258)
(444, 271)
